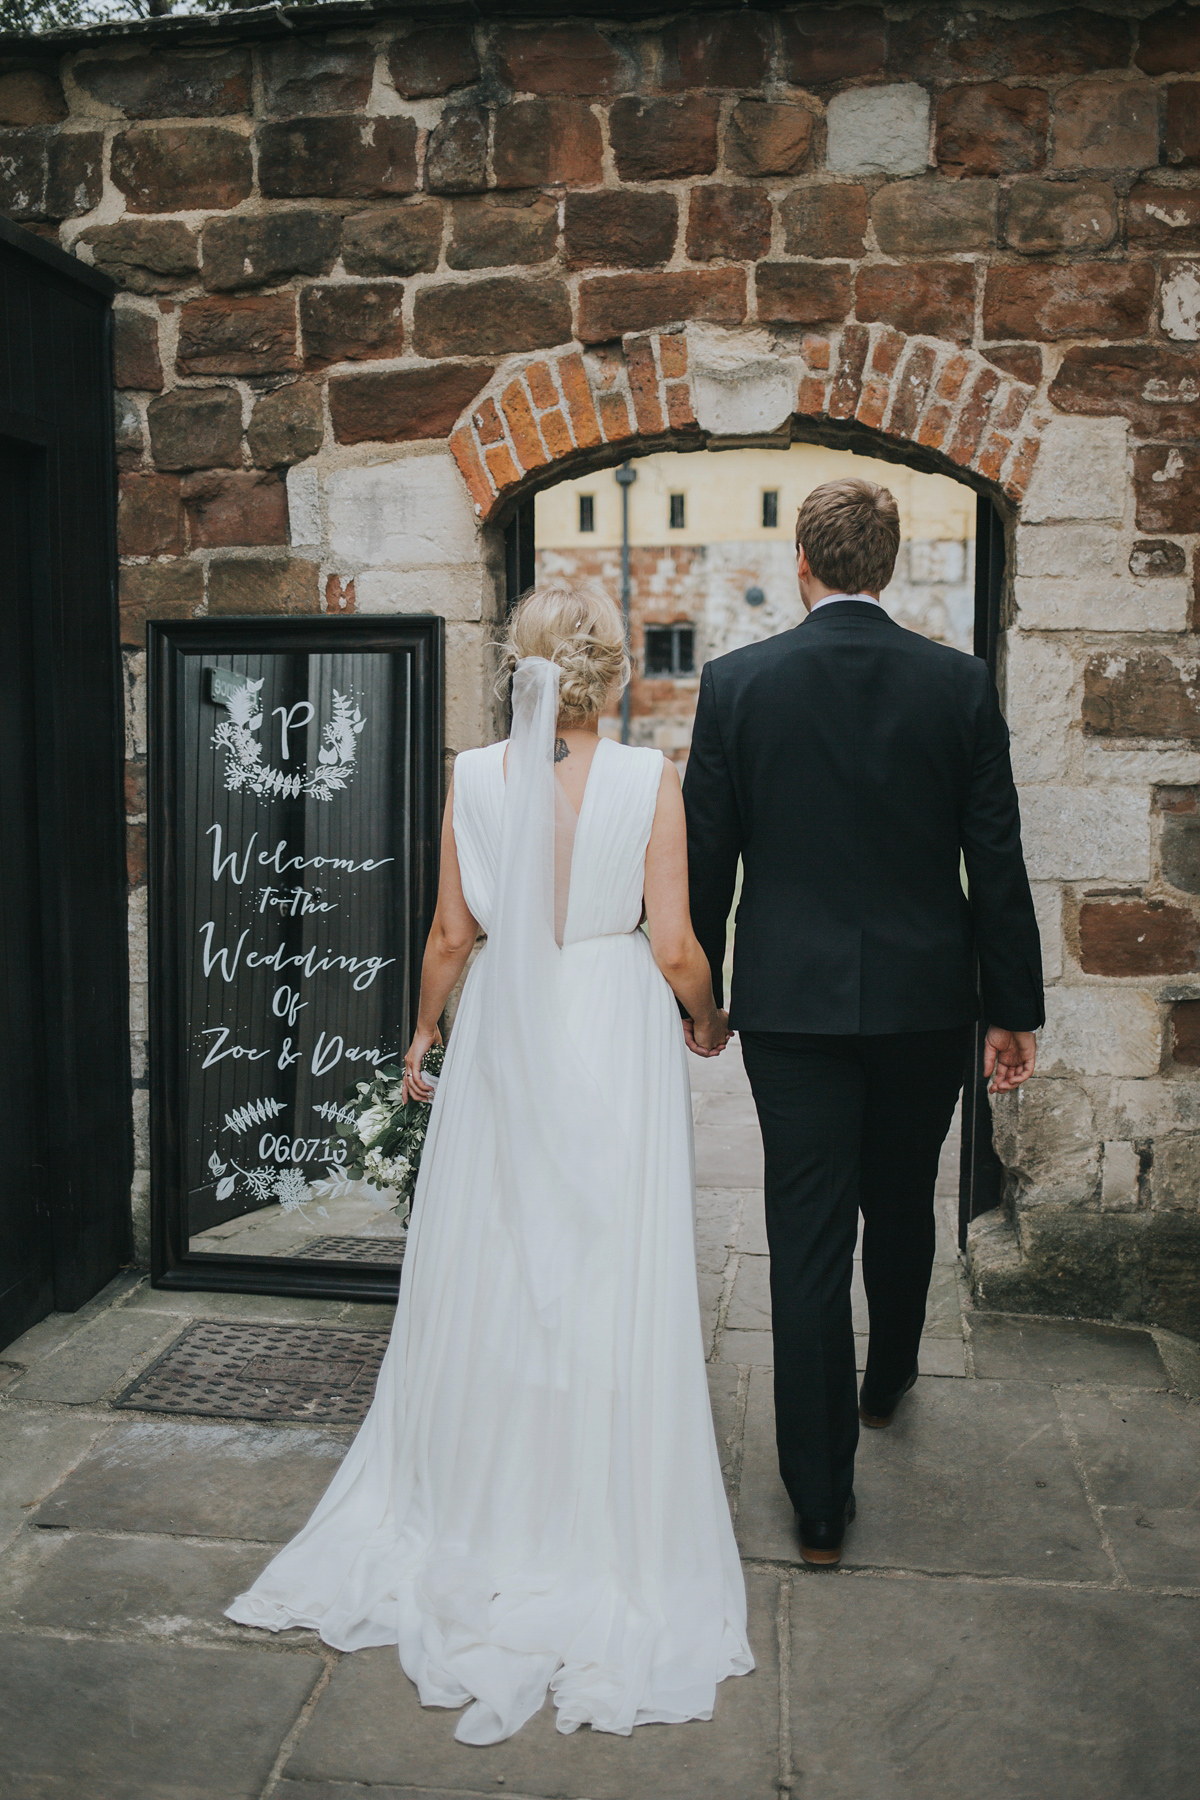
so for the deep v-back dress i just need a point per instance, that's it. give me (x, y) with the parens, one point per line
(513, 1518)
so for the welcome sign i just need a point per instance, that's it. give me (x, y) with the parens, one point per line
(295, 779)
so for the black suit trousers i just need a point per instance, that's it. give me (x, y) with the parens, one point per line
(848, 1124)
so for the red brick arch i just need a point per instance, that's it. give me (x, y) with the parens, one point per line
(541, 411)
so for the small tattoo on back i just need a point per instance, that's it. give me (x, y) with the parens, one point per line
(561, 750)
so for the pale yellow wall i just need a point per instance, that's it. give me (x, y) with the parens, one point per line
(724, 498)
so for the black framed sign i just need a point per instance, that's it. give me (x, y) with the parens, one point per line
(295, 794)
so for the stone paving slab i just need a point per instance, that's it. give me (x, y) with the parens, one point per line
(728, 1155)
(368, 1727)
(96, 1360)
(110, 1721)
(1064, 1350)
(951, 1487)
(37, 1448)
(226, 1481)
(943, 1356)
(920, 1690)
(1141, 1456)
(723, 1388)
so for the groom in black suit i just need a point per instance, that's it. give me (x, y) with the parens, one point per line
(848, 763)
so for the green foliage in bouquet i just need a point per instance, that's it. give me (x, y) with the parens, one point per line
(384, 1134)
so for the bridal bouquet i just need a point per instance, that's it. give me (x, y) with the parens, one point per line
(383, 1134)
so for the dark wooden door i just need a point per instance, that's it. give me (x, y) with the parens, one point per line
(65, 1096)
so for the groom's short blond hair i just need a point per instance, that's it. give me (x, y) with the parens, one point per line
(850, 532)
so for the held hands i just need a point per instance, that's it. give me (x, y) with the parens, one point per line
(1008, 1058)
(415, 1086)
(708, 1037)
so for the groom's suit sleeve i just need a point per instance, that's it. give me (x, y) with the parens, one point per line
(714, 830)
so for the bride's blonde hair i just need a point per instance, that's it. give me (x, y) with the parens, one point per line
(578, 626)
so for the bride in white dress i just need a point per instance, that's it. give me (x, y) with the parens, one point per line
(534, 1500)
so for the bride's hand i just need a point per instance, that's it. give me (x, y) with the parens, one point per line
(415, 1086)
(709, 1037)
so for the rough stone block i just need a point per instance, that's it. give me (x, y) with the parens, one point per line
(1157, 558)
(879, 130)
(914, 218)
(557, 59)
(1177, 1172)
(728, 222)
(404, 403)
(1153, 695)
(1106, 125)
(1156, 388)
(730, 51)
(1182, 138)
(1047, 904)
(196, 428)
(922, 299)
(31, 96)
(144, 256)
(458, 594)
(1094, 1032)
(162, 85)
(1068, 552)
(752, 398)
(1179, 306)
(408, 514)
(1121, 1173)
(1061, 215)
(825, 221)
(433, 60)
(127, 428)
(1137, 937)
(1185, 1035)
(500, 229)
(942, 44)
(304, 507)
(253, 584)
(351, 322)
(539, 143)
(1041, 679)
(149, 516)
(456, 155)
(491, 317)
(1080, 472)
(179, 168)
(661, 140)
(1099, 299)
(1179, 852)
(823, 44)
(1046, 1132)
(610, 306)
(1102, 605)
(1165, 481)
(393, 240)
(49, 174)
(287, 426)
(1023, 361)
(991, 129)
(619, 228)
(767, 137)
(136, 361)
(803, 293)
(338, 157)
(1164, 216)
(252, 334)
(229, 507)
(262, 252)
(1169, 40)
(304, 75)
(173, 590)
(1073, 834)
(1127, 768)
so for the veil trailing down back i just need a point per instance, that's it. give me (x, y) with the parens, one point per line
(534, 1501)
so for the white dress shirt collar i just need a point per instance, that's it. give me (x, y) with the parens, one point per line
(828, 600)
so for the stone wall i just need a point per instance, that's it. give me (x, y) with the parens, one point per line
(383, 278)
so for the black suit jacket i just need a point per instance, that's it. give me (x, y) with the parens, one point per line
(848, 762)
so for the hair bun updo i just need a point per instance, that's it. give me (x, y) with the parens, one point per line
(578, 627)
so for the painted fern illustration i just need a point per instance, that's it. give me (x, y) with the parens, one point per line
(255, 1112)
(244, 765)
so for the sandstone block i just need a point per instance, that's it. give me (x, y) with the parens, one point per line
(503, 228)
(803, 293)
(23, 159)
(338, 157)
(540, 143)
(456, 155)
(822, 44)
(1156, 388)
(433, 60)
(178, 168)
(1072, 834)
(227, 507)
(1127, 768)
(1182, 145)
(393, 240)
(1163, 215)
(1166, 481)
(1106, 125)
(743, 400)
(914, 218)
(766, 137)
(245, 252)
(922, 299)
(1180, 302)
(611, 305)
(660, 140)
(149, 516)
(619, 228)
(730, 51)
(403, 403)
(1185, 1033)
(1068, 552)
(1047, 904)
(1080, 472)
(1081, 299)
(305, 75)
(1091, 604)
(1061, 215)
(1024, 361)
(1157, 558)
(145, 256)
(557, 59)
(1116, 1032)
(1047, 1128)
(31, 96)
(1179, 852)
(304, 506)
(1122, 1171)
(1169, 41)
(1137, 937)
(730, 222)
(830, 220)
(351, 322)
(287, 426)
(164, 85)
(879, 130)
(458, 594)
(251, 334)
(259, 584)
(127, 429)
(943, 44)
(196, 428)
(1176, 1176)
(136, 362)
(491, 317)
(173, 590)
(409, 514)
(1154, 694)
(991, 129)
(1041, 705)
(47, 174)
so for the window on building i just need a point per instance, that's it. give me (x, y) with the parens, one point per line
(770, 514)
(587, 512)
(670, 649)
(678, 512)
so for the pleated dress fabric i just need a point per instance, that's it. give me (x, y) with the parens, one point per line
(536, 1505)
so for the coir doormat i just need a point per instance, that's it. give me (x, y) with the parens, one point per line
(315, 1373)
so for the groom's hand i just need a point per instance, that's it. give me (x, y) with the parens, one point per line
(1008, 1058)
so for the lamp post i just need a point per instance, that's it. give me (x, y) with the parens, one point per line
(626, 476)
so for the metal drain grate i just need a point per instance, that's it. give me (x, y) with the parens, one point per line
(241, 1371)
(351, 1249)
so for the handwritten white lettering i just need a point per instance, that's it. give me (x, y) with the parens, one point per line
(217, 1052)
(291, 722)
(278, 860)
(221, 863)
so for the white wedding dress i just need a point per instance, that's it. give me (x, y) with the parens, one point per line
(534, 1500)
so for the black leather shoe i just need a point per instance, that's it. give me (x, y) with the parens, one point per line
(878, 1416)
(821, 1539)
